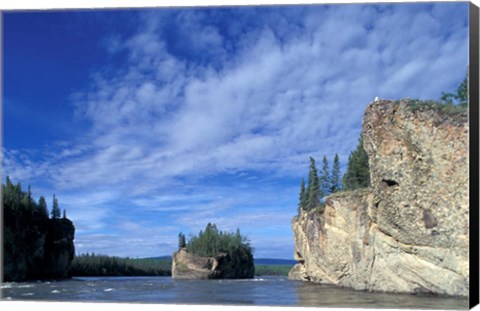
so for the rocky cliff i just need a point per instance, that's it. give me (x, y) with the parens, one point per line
(409, 232)
(59, 248)
(37, 248)
(191, 266)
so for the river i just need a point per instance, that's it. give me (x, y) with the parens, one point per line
(260, 291)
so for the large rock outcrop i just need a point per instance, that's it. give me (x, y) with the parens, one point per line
(59, 248)
(36, 248)
(191, 266)
(409, 232)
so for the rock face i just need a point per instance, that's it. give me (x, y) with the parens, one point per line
(191, 266)
(59, 248)
(42, 249)
(409, 232)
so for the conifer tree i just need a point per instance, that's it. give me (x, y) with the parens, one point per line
(9, 193)
(358, 171)
(238, 236)
(12, 194)
(325, 177)
(55, 209)
(462, 91)
(18, 195)
(181, 240)
(302, 204)
(42, 206)
(29, 197)
(335, 184)
(313, 190)
(26, 201)
(8, 182)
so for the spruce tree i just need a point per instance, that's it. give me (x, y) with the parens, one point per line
(55, 209)
(12, 194)
(26, 201)
(8, 182)
(314, 191)
(9, 194)
(302, 204)
(462, 91)
(181, 240)
(29, 197)
(335, 184)
(325, 178)
(42, 206)
(18, 195)
(358, 171)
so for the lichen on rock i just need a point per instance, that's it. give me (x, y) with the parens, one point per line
(409, 232)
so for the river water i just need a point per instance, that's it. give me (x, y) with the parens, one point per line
(260, 291)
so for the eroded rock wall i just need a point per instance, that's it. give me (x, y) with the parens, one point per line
(409, 232)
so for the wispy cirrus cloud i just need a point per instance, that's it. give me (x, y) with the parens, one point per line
(185, 116)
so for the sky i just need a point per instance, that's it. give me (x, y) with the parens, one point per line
(149, 122)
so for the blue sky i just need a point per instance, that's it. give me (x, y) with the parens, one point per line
(146, 123)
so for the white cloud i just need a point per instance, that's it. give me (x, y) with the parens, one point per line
(271, 94)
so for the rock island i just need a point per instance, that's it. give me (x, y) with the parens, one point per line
(213, 254)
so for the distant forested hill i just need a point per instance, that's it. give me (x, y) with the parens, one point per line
(271, 261)
(258, 261)
(103, 265)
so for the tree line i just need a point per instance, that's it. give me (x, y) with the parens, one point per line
(102, 265)
(16, 199)
(280, 270)
(328, 181)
